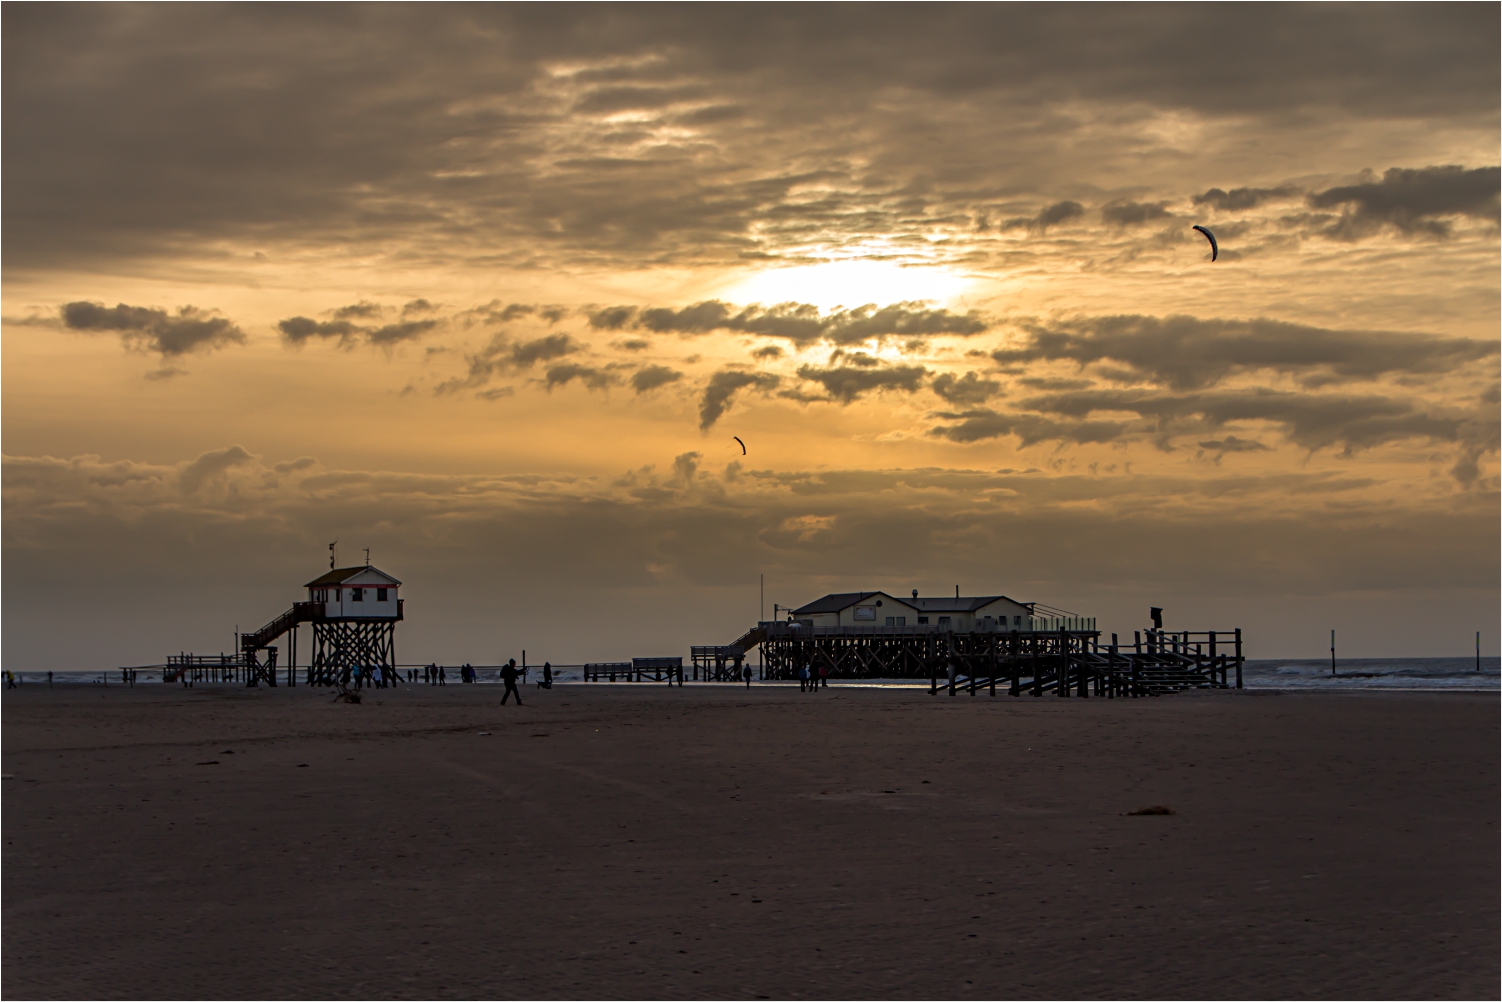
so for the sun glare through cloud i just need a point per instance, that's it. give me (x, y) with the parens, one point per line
(850, 283)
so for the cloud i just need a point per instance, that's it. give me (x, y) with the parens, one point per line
(295, 465)
(683, 538)
(165, 373)
(408, 330)
(151, 329)
(486, 134)
(363, 310)
(723, 386)
(526, 353)
(1128, 213)
(982, 423)
(209, 465)
(962, 391)
(1242, 198)
(1412, 201)
(653, 376)
(1191, 353)
(1314, 421)
(612, 318)
(1231, 444)
(297, 331)
(768, 352)
(633, 344)
(592, 378)
(1049, 215)
(847, 383)
(504, 355)
(803, 323)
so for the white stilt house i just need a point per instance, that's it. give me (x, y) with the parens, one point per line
(356, 593)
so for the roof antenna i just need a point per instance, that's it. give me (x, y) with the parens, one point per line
(367, 556)
(332, 553)
(956, 591)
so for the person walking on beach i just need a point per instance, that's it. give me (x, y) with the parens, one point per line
(49, 680)
(10, 679)
(547, 674)
(748, 676)
(442, 676)
(803, 679)
(824, 676)
(508, 675)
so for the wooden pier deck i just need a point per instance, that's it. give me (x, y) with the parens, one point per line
(1065, 662)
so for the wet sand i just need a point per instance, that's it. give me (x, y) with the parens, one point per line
(641, 842)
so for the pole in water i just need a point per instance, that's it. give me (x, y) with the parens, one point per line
(1332, 652)
(1478, 650)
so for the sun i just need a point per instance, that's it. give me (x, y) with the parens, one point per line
(848, 283)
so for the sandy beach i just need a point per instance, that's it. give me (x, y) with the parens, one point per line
(645, 842)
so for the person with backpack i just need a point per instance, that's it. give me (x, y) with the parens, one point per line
(509, 675)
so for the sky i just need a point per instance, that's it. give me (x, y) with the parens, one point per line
(491, 290)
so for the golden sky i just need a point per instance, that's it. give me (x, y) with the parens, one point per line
(489, 291)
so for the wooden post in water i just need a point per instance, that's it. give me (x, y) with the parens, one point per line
(1332, 652)
(1478, 650)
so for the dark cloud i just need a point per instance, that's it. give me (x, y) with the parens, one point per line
(504, 355)
(150, 132)
(1128, 213)
(768, 352)
(967, 390)
(1189, 352)
(1049, 215)
(295, 465)
(1221, 446)
(612, 318)
(1242, 198)
(408, 330)
(653, 376)
(847, 383)
(526, 353)
(1233, 444)
(592, 378)
(151, 329)
(724, 385)
(1314, 421)
(803, 323)
(982, 423)
(1413, 201)
(299, 330)
(633, 344)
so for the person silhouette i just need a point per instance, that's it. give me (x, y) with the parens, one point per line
(509, 675)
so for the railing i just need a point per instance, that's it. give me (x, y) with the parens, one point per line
(1030, 624)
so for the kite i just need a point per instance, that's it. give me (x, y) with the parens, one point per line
(743, 444)
(1214, 247)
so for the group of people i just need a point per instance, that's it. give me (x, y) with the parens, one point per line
(809, 678)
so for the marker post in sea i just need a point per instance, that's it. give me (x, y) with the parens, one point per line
(1332, 652)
